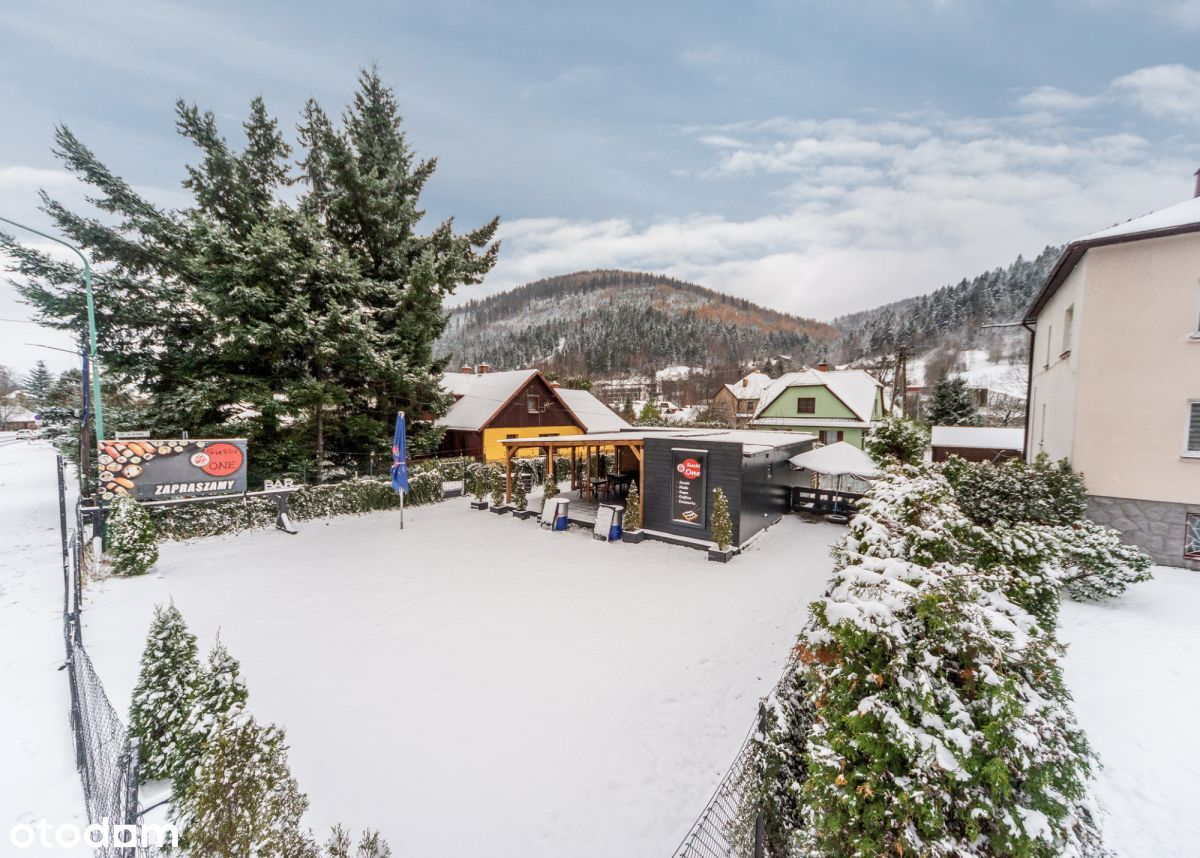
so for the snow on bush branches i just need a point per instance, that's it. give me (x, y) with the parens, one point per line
(927, 714)
(131, 540)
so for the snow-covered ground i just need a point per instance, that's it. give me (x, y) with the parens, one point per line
(1133, 666)
(38, 780)
(1004, 376)
(474, 685)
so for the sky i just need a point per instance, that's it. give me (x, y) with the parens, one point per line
(815, 157)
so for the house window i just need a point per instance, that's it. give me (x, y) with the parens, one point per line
(510, 436)
(1191, 537)
(1068, 324)
(533, 403)
(832, 436)
(1193, 429)
(806, 405)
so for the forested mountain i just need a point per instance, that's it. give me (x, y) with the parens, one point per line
(608, 323)
(953, 314)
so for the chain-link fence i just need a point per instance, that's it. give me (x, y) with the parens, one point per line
(107, 758)
(727, 827)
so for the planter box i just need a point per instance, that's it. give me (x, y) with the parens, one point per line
(719, 556)
(479, 504)
(523, 514)
(500, 510)
(633, 537)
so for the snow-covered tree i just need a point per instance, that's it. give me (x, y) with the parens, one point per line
(941, 723)
(650, 416)
(131, 540)
(520, 497)
(219, 689)
(36, 384)
(163, 695)
(952, 403)
(897, 440)
(550, 489)
(631, 518)
(371, 845)
(243, 799)
(497, 485)
(722, 527)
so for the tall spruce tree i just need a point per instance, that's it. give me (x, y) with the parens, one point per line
(309, 322)
(952, 403)
(219, 690)
(37, 383)
(163, 695)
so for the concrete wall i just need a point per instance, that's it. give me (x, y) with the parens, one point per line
(1154, 526)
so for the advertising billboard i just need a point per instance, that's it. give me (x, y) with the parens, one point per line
(689, 487)
(170, 468)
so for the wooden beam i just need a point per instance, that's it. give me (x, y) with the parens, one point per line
(574, 470)
(641, 486)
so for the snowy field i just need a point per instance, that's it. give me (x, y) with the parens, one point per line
(474, 685)
(477, 686)
(1134, 668)
(37, 764)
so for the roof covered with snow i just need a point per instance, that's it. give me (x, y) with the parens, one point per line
(855, 387)
(480, 396)
(751, 386)
(752, 441)
(980, 437)
(594, 414)
(1173, 220)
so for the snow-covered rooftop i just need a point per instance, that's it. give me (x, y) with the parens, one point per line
(1181, 214)
(751, 386)
(752, 441)
(594, 414)
(983, 437)
(855, 387)
(481, 396)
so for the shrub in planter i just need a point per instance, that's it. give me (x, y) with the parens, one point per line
(131, 538)
(519, 498)
(550, 488)
(631, 525)
(722, 528)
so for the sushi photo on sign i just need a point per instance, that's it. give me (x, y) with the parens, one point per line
(691, 478)
(156, 470)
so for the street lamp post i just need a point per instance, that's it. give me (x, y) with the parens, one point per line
(91, 318)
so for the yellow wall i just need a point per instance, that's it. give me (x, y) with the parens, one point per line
(493, 450)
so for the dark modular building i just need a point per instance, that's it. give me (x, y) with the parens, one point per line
(682, 469)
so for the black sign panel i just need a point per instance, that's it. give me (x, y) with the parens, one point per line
(689, 486)
(167, 468)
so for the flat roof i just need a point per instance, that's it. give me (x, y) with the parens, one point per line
(752, 441)
(979, 437)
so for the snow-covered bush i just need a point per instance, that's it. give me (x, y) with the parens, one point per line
(372, 845)
(722, 527)
(941, 723)
(478, 481)
(497, 480)
(631, 519)
(1041, 492)
(131, 540)
(219, 689)
(162, 698)
(897, 440)
(549, 488)
(1097, 565)
(243, 799)
(520, 497)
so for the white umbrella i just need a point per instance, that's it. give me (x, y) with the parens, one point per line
(837, 460)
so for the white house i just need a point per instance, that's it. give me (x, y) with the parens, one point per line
(1115, 377)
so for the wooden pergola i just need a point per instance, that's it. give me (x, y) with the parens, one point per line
(591, 445)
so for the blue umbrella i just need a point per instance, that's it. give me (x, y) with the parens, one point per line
(400, 462)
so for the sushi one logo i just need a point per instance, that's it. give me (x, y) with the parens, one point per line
(690, 468)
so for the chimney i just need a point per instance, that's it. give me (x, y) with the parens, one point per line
(1197, 192)
(483, 369)
(554, 384)
(745, 382)
(823, 366)
(466, 369)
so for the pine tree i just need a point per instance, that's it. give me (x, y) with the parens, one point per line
(650, 416)
(219, 689)
(243, 799)
(37, 383)
(163, 695)
(633, 509)
(952, 403)
(722, 527)
(896, 439)
(131, 540)
(372, 845)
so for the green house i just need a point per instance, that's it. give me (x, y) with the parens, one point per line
(836, 405)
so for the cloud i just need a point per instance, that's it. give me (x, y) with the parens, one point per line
(1167, 91)
(856, 213)
(1053, 98)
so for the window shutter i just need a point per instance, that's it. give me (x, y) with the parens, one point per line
(1193, 444)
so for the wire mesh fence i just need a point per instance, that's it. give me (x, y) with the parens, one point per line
(728, 827)
(105, 755)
